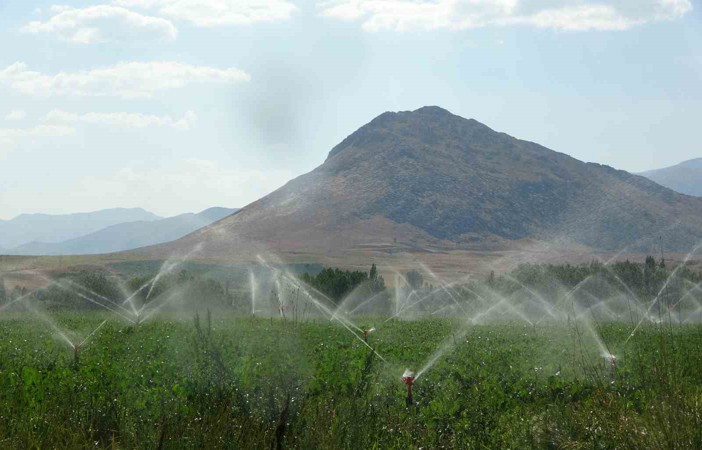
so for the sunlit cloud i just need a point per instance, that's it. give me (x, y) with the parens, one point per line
(102, 23)
(16, 115)
(123, 119)
(126, 79)
(571, 15)
(207, 13)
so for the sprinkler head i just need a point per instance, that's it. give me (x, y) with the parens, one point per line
(611, 360)
(408, 378)
(76, 347)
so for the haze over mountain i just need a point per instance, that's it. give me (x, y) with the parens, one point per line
(126, 236)
(27, 228)
(685, 177)
(431, 181)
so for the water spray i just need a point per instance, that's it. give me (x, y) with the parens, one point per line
(408, 378)
(77, 347)
(611, 361)
(366, 332)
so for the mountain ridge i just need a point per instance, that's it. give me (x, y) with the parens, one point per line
(432, 180)
(685, 177)
(26, 228)
(126, 236)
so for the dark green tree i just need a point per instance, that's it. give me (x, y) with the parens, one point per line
(415, 279)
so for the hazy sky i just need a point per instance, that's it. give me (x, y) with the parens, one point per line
(178, 105)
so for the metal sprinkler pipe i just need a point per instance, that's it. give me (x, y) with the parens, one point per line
(76, 355)
(408, 378)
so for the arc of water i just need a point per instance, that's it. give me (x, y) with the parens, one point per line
(166, 268)
(104, 306)
(442, 284)
(153, 310)
(92, 333)
(102, 297)
(446, 346)
(411, 305)
(169, 267)
(687, 294)
(443, 308)
(665, 286)
(511, 307)
(58, 330)
(90, 291)
(482, 299)
(347, 297)
(90, 299)
(547, 306)
(365, 302)
(474, 319)
(596, 303)
(305, 289)
(252, 287)
(17, 300)
(346, 324)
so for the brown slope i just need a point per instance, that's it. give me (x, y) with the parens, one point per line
(430, 180)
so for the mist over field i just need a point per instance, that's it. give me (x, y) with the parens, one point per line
(350, 224)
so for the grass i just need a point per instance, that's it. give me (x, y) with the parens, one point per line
(236, 382)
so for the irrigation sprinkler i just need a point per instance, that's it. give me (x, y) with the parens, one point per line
(76, 355)
(611, 361)
(366, 332)
(77, 347)
(408, 378)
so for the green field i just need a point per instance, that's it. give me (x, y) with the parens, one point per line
(186, 381)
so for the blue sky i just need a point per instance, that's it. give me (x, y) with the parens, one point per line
(178, 105)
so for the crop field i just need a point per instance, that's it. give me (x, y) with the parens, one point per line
(589, 356)
(227, 381)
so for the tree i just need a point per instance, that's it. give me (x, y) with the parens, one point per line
(335, 283)
(415, 279)
(373, 274)
(376, 282)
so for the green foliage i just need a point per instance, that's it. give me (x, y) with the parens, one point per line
(231, 382)
(3, 292)
(336, 283)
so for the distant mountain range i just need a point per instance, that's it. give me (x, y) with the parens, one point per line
(685, 177)
(27, 228)
(433, 182)
(124, 235)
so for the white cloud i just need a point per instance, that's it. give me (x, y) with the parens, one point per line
(126, 79)
(213, 13)
(9, 137)
(37, 131)
(16, 115)
(102, 23)
(123, 119)
(573, 15)
(58, 123)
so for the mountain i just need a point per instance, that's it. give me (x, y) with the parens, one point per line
(127, 236)
(430, 181)
(27, 228)
(686, 177)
